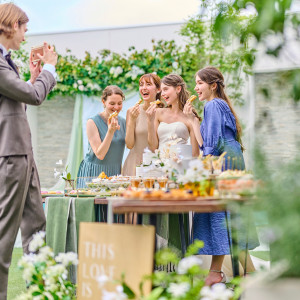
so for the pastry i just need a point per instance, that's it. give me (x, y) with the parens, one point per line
(112, 115)
(156, 102)
(192, 98)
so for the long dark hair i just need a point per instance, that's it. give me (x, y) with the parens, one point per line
(175, 81)
(212, 75)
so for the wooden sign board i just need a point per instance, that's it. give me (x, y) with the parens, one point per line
(113, 249)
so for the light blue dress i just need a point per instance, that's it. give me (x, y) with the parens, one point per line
(218, 130)
(91, 166)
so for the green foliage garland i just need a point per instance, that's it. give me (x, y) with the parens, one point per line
(203, 47)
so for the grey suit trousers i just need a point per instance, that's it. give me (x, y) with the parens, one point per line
(20, 207)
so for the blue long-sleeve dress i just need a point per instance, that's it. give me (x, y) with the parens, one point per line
(218, 130)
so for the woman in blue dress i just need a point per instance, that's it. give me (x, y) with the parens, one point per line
(220, 132)
(106, 138)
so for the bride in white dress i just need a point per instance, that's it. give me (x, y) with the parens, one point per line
(165, 123)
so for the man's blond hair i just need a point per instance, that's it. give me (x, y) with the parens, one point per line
(9, 15)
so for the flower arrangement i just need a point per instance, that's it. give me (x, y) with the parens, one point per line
(45, 274)
(65, 175)
(195, 172)
(197, 179)
(186, 283)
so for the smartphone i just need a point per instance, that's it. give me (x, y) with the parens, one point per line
(34, 51)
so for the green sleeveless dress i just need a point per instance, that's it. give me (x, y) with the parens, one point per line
(91, 166)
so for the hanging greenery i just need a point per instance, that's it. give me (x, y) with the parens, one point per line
(203, 47)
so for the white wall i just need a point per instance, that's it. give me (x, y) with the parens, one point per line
(114, 39)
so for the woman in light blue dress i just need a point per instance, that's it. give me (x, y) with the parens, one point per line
(106, 138)
(220, 132)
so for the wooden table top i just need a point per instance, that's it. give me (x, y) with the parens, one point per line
(167, 206)
(121, 205)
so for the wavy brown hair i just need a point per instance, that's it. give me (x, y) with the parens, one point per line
(175, 81)
(212, 75)
(9, 15)
(156, 80)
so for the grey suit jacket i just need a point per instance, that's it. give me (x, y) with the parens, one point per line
(15, 136)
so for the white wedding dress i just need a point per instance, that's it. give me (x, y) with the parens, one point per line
(167, 225)
(168, 132)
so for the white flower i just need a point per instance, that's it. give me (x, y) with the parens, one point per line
(178, 289)
(188, 262)
(97, 87)
(113, 295)
(108, 295)
(81, 87)
(60, 162)
(102, 280)
(217, 292)
(90, 86)
(75, 85)
(51, 287)
(50, 282)
(26, 260)
(157, 162)
(44, 254)
(37, 241)
(116, 71)
(55, 271)
(175, 65)
(112, 70)
(67, 259)
(119, 70)
(79, 82)
(56, 173)
(134, 72)
(196, 164)
(48, 295)
(119, 289)
(28, 272)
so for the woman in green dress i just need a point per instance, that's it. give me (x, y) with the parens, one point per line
(106, 136)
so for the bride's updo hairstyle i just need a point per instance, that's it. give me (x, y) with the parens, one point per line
(175, 80)
(211, 75)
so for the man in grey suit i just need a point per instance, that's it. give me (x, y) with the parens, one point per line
(20, 197)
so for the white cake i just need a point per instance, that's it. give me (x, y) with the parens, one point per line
(148, 157)
(181, 152)
(148, 168)
(149, 171)
(184, 154)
